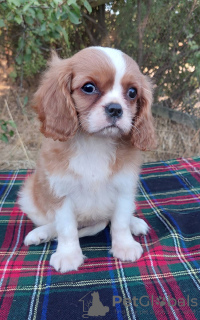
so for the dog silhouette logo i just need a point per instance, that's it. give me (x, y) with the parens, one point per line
(93, 306)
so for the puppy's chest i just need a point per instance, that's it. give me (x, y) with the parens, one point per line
(92, 168)
(92, 163)
(88, 182)
(91, 180)
(89, 170)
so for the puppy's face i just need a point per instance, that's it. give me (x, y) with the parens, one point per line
(101, 91)
(105, 87)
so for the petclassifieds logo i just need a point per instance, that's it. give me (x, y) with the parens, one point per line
(93, 305)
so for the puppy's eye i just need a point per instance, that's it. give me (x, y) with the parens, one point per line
(89, 88)
(132, 93)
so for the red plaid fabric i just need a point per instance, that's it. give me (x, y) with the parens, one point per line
(164, 283)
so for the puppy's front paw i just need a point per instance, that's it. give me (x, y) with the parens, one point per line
(138, 226)
(36, 236)
(127, 252)
(63, 261)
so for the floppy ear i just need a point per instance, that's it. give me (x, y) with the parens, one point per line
(53, 101)
(143, 134)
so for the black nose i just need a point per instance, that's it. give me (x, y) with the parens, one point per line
(114, 110)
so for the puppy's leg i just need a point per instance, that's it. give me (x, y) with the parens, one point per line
(41, 234)
(27, 204)
(124, 246)
(138, 226)
(68, 255)
(92, 230)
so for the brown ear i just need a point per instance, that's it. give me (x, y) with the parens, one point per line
(53, 101)
(143, 134)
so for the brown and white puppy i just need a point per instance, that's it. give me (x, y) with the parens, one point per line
(95, 111)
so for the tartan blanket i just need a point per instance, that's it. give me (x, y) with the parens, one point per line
(163, 283)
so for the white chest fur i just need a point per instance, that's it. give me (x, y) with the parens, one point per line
(93, 158)
(88, 180)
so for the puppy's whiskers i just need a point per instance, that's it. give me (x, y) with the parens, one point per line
(133, 126)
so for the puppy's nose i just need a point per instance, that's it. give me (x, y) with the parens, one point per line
(114, 110)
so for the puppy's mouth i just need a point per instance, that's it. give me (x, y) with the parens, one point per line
(112, 130)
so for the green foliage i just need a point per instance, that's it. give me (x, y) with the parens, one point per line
(30, 28)
(169, 50)
(6, 129)
(25, 100)
(162, 36)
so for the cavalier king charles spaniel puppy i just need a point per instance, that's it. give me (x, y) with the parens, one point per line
(95, 113)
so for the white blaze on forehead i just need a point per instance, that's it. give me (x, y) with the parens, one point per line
(118, 61)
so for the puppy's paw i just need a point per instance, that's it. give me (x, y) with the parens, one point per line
(37, 236)
(131, 251)
(63, 261)
(138, 226)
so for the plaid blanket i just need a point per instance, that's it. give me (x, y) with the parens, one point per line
(164, 283)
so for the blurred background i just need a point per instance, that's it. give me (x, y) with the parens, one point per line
(162, 36)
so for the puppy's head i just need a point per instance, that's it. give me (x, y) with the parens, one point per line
(100, 90)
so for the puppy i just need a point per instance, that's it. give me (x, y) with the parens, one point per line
(95, 113)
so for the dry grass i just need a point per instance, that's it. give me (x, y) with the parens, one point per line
(22, 149)
(174, 140)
